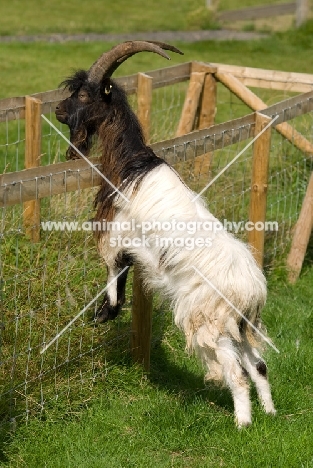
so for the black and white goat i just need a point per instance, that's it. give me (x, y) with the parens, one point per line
(215, 287)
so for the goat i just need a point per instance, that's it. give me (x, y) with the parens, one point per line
(215, 287)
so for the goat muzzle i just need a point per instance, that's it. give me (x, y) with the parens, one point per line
(61, 114)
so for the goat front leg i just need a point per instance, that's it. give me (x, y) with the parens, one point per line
(114, 297)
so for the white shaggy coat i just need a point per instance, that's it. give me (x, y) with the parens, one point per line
(224, 341)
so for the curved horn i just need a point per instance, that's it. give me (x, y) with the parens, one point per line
(109, 61)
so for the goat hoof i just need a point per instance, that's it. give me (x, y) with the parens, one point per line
(243, 424)
(106, 313)
(243, 421)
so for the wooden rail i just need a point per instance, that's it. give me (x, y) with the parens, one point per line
(30, 184)
(269, 79)
(253, 13)
(14, 108)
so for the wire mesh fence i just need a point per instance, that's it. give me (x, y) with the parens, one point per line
(12, 142)
(44, 285)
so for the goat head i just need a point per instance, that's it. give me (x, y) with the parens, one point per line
(90, 90)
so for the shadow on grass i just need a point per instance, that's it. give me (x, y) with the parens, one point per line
(6, 433)
(183, 376)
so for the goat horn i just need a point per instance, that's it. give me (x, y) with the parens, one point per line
(111, 60)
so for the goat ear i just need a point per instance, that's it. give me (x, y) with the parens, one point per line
(106, 89)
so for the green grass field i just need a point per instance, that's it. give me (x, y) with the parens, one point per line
(171, 419)
(104, 17)
(108, 412)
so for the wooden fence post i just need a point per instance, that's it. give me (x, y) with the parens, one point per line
(144, 100)
(302, 12)
(191, 103)
(259, 179)
(301, 236)
(142, 303)
(207, 113)
(208, 102)
(31, 212)
(141, 322)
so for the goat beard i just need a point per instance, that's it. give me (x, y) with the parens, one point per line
(71, 154)
(80, 141)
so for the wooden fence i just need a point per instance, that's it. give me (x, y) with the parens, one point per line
(300, 9)
(34, 183)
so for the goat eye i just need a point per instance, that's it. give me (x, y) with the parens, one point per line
(83, 97)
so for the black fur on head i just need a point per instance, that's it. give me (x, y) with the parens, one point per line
(84, 110)
(94, 95)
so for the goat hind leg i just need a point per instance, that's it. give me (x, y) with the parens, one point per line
(235, 378)
(256, 368)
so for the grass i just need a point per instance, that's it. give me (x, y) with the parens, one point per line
(102, 17)
(41, 66)
(171, 419)
(100, 409)
(75, 17)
